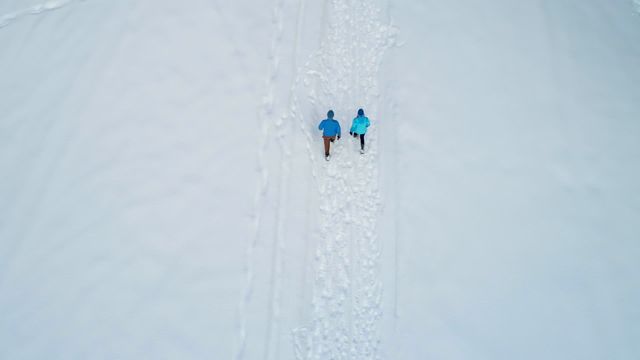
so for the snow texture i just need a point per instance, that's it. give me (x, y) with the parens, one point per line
(35, 9)
(347, 292)
(166, 195)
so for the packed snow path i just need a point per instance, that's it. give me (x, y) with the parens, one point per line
(346, 302)
(347, 291)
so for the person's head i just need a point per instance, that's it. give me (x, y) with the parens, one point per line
(330, 114)
(360, 112)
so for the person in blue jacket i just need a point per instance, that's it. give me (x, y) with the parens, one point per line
(330, 129)
(359, 128)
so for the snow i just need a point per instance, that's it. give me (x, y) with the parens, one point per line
(165, 193)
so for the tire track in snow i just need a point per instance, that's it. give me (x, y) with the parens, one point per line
(347, 291)
(46, 6)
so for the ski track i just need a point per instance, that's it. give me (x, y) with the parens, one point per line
(347, 291)
(265, 117)
(283, 138)
(44, 7)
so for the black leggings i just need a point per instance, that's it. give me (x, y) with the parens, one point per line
(361, 140)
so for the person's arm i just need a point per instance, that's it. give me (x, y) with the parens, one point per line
(321, 126)
(353, 125)
(368, 123)
(339, 133)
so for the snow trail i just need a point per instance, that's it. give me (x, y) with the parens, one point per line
(347, 291)
(268, 126)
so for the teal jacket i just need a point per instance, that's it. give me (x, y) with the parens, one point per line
(360, 125)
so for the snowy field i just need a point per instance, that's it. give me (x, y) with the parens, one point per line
(165, 196)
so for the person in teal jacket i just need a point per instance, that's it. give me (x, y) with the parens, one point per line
(330, 129)
(359, 128)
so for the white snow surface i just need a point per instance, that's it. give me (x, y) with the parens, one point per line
(165, 195)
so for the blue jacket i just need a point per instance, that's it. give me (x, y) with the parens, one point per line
(360, 125)
(329, 127)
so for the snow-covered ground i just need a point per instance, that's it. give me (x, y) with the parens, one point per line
(165, 195)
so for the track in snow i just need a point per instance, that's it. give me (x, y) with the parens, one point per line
(266, 115)
(343, 316)
(347, 291)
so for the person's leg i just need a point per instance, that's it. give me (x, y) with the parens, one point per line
(362, 141)
(326, 145)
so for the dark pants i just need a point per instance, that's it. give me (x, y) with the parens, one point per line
(327, 143)
(361, 140)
